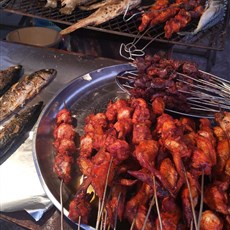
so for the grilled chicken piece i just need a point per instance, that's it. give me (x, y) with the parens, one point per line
(170, 214)
(64, 116)
(100, 170)
(182, 19)
(158, 106)
(63, 167)
(216, 197)
(165, 14)
(222, 150)
(135, 207)
(178, 22)
(141, 112)
(209, 220)
(227, 168)
(204, 156)
(118, 110)
(80, 206)
(115, 205)
(167, 169)
(146, 152)
(157, 7)
(194, 186)
(141, 132)
(103, 14)
(123, 127)
(223, 119)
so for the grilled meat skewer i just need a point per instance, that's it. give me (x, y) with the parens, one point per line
(64, 144)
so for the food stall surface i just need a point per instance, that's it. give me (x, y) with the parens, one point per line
(69, 65)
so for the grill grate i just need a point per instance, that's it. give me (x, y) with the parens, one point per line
(213, 39)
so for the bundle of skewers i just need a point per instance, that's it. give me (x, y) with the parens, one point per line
(185, 88)
(148, 169)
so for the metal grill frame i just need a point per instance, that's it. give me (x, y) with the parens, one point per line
(211, 39)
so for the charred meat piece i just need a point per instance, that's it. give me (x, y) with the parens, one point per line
(157, 7)
(64, 144)
(216, 197)
(210, 220)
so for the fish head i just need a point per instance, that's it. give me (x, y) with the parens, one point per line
(47, 73)
(50, 71)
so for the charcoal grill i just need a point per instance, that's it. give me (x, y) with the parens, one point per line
(212, 39)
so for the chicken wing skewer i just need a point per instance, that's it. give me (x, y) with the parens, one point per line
(65, 147)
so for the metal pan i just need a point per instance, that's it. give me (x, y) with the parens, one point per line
(84, 95)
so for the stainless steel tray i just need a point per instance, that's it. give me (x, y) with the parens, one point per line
(83, 95)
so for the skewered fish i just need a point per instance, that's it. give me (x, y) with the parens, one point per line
(17, 125)
(105, 13)
(25, 89)
(8, 77)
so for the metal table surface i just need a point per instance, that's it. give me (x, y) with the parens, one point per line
(69, 66)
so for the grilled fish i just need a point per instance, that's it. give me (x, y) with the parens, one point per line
(105, 13)
(25, 89)
(17, 125)
(8, 77)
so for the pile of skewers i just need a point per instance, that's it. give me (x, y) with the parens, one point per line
(184, 88)
(148, 168)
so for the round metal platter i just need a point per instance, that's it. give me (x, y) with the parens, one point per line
(86, 94)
